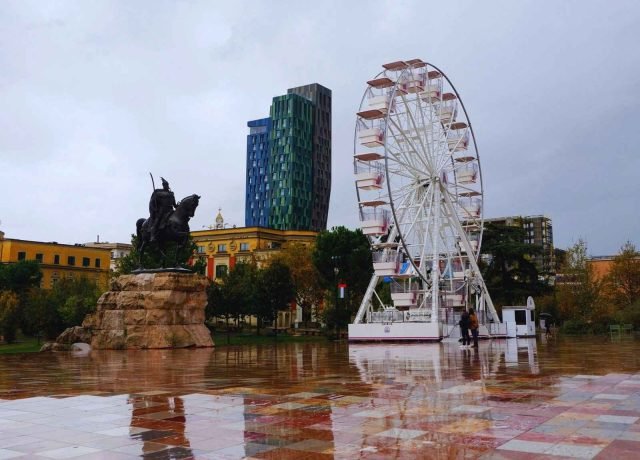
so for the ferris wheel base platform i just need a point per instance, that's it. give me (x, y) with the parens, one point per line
(395, 332)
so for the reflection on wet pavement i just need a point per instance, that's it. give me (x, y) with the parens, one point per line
(569, 398)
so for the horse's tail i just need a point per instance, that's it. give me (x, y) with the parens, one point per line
(139, 224)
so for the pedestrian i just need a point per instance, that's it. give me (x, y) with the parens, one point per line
(473, 325)
(464, 330)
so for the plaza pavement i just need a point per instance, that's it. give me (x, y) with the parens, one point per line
(516, 399)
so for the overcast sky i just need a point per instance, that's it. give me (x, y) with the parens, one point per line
(95, 94)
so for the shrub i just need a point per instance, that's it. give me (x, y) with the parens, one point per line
(575, 326)
(9, 315)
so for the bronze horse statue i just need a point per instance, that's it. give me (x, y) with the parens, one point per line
(174, 230)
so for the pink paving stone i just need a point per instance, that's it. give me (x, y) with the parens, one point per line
(541, 437)
(618, 454)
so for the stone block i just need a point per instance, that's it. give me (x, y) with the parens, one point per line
(90, 321)
(111, 319)
(157, 316)
(165, 300)
(131, 300)
(189, 316)
(135, 317)
(179, 282)
(108, 339)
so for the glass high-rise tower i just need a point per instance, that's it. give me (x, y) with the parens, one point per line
(289, 162)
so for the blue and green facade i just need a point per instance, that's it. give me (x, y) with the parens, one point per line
(289, 162)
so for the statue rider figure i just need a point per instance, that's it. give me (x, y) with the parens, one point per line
(161, 205)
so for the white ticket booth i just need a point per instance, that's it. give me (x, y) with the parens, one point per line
(523, 317)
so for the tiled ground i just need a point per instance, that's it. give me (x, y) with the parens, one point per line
(509, 399)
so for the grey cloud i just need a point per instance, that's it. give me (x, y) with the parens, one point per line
(96, 94)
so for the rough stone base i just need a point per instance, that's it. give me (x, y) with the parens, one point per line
(149, 310)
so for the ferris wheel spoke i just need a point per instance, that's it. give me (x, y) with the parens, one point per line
(403, 191)
(410, 143)
(426, 235)
(429, 134)
(399, 164)
(413, 128)
(419, 208)
(403, 161)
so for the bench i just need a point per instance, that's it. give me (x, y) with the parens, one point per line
(303, 331)
(615, 329)
(627, 329)
(277, 330)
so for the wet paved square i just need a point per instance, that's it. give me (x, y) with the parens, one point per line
(516, 399)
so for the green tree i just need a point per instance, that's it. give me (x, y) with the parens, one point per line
(217, 306)
(306, 280)
(74, 298)
(579, 294)
(9, 315)
(20, 276)
(343, 255)
(152, 257)
(239, 287)
(274, 293)
(623, 280)
(507, 268)
(40, 315)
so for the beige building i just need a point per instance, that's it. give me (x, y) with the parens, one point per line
(118, 251)
(538, 231)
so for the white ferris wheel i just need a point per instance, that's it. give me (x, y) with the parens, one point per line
(419, 187)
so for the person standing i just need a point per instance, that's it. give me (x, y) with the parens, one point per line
(473, 325)
(464, 330)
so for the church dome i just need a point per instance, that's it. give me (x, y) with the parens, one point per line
(219, 219)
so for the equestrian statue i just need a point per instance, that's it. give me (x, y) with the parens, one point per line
(168, 222)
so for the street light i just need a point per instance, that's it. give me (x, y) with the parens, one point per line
(336, 271)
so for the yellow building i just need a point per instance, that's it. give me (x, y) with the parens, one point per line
(58, 261)
(223, 247)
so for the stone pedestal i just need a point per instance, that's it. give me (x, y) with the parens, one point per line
(151, 310)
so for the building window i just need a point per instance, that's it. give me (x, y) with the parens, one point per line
(221, 270)
(521, 317)
(244, 246)
(222, 248)
(86, 262)
(22, 255)
(201, 250)
(97, 263)
(71, 260)
(56, 259)
(39, 258)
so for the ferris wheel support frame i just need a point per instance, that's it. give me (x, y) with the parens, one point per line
(472, 260)
(485, 297)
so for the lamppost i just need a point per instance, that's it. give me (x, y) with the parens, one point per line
(336, 271)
